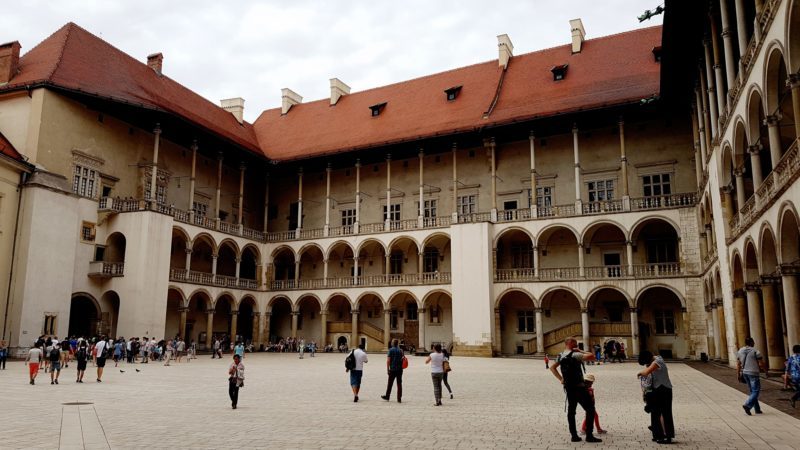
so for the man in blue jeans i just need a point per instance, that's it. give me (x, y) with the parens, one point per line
(394, 366)
(750, 363)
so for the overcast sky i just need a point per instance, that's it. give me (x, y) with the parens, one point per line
(253, 49)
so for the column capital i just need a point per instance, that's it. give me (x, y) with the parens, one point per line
(183, 309)
(220, 156)
(708, 226)
(238, 260)
(157, 129)
(354, 312)
(531, 135)
(188, 250)
(267, 313)
(770, 280)
(358, 162)
(738, 172)
(388, 157)
(210, 311)
(421, 152)
(628, 242)
(214, 255)
(234, 312)
(387, 312)
(773, 120)
(329, 167)
(422, 310)
(323, 312)
(712, 305)
(454, 146)
(738, 293)
(754, 149)
(706, 41)
(633, 310)
(575, 128)
(727, 189)
(789, 269)
(793, 81)
(242, 166)
(295, 313)
(497, 311)
(752, 287)
(194, 146)
(726, 32)
(584, 310)
(718, 301)
(538, 310)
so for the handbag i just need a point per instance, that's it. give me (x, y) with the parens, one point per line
(405, 362)
(740, 377)
(446, 366)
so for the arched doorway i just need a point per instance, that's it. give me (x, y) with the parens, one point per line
(340, 264)
(604, 251)
(115, 248)
(517, 323)
(609, 318)
(226, 258)
(339, 320)
(223, 309)
(370, 322)
(202, 254)
(771, 295)
(561, 309)
(178, 249)
(197, 319)
(311, 266)
(109, 314)
(172, 322)
(283, 268)
(309, 323)
(789, 239)
(655, 250)
(438, 323)
(247, 320)
(514, 256)
(248, 268)
(404, 320)
(661, 326)
(84, 316)
(280, 323)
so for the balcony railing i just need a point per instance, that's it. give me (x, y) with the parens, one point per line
(340, 231)
(369, 228)
(590, 273)
(191, 276)
(404, 279)
(312, 233)
(664, 201)
(521, 274)
(103, 269)
(511, 215)
(556, 211)
(609, 206)
(475, 217)
(432, 222)
(559, 273)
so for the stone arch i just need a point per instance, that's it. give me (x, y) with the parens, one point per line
(510, 230)
(516, 321)
(773, 61)
(737, 271)
(309, 246)
(547, 231)
(249, 298)
(247, 318)
(768, 250)
(755, 113)
(789, 234)
(793, 37)
(84, 315)
(339, 307)
(271, 302)
(201, 295)
(778, 99)
(203, 249)
(227, 254)
(250, 262)
(372, 241)
(436, 253)
(428, 295)
(639, 224)
(283, 249)
(306, 295)
(590, 297)
(661, 321)
(179, 244)
(255, 250)
(363, 295)
(717, 284)
(180, 231)
(516, 289)
(280, 318)
(513, 249)
(283, 264)
(115, 248)
(401, 292)
(558, 249)
(680, 297)
(338, 246)
(338, 294)
(340, 259)
(309, 319)
(429, 240)
(311, 258)
(207, 238)
(228, 297)
(372, 259)
(553, 290)
(399, 241)
(751, 269)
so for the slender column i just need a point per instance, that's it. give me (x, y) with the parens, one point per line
(242, 168)
(238, 266)
(190, 208)
(498, 334)
(256, 338)
(775, 150)
(791, 303)
(182, 326)
(300, 199)
(262, 338)
(710, 238)
(327, 199)
(772, 322)
(209, 328)
(629, 256)
(704, 250)
(539, 332)
(536, 262)
(387, 324)
(577, 159)
(354, 328)
(422, 322)
(710, 127)
(727, 202)
(188, 257)
(154, 171)
(420, 262)
(712, 346)
(358, 197)
(323, 315)
(739, 174)
(214, 257)
(740, 317)
(634, 331)
(532, 140)
(756, 317)
(387, 225)
(793, 83)
(387, 266)
(266, 202)
(296, 273)
(267, 323)
(730, 69)
(581, 270)
(355, 270)
(421, 190)
(701, 128)
(295, 319)
(325, 272)
(710, 88)
(455, 185)
(717, 337)
(698, 157)
(493, 149)
(741, 26)
(755, 162)
(623, 162)
(234, 320)
(717, 65)
(218, 194)
(585, 328)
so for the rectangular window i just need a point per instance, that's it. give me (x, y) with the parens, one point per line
(393, 319)
(522, 256)
(83, 181)
(544, 197)
(466, 204)
(525, 321)
(200, 209)
(601, 190)
(661, 251)
(87, 232)
(396, 263)
(394, 213)
(428, 208)
(430, 260)
(436, 314)
(655, 185)
(348, 217)
(411, 311)
(161, 192)
(665, 321)
(49, 326)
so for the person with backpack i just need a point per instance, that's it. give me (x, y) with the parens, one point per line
(81, 356)
(3, 354)
(570, 361)
(793, 373)
(54, 356)
(354, 363)
(100, 350)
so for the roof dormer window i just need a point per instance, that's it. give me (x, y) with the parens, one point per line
(559, 72)
(452, 93)
(657, 53)
(377, 109)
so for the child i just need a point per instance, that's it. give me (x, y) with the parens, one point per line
(546, 361)
(589, 381)
(646, 383)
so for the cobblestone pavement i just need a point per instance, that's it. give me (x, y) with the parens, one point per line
(293, 403)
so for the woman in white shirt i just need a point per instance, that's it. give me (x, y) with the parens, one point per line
(436, 360)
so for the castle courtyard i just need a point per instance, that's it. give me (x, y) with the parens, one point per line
(293, 403)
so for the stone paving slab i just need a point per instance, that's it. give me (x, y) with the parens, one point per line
(293, 403)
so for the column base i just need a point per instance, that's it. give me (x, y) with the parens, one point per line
(494, 215)
(534, 211)
(326, 230)
(454, 218)
(626, 202)
(578, 207)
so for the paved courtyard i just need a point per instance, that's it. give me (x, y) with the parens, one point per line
(292, 403)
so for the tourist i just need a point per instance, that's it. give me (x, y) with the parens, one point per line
(597, 352)
(235, 379)
(81, 356)
(436, 360)
(167, 353)
(54, 356)
(216, 346)
(118, 349)
(571, 377)
(749, 364)
(661, 424)
(65, 350)
(394, 367)
(546, 362)
(358, 371)
(792, 373)
(100, 349)
(238, 350)
(446, 367)
(3, 354)
(192, 350)
(312, 348)
(33, 360)
(302, 347)
(48, 346)
(589, 380)
(181, 349)
(621, 351)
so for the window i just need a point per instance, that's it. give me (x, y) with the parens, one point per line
(348, 217)
(200, 209)
(294, 207)
(665, 321)
(436, 314)
(661, 251)
(377, 109)
(601, 190)
(87, 232)
(430, 260)
(49, 326)
(655, 185)
(544, 197)
(161, 192)
(83, 181)
(300, 321)
(559, 72)
(466, 204)
(396, 263)
(393, 319)
(428, 208)
(411, 311)
(522, 256)
(394, 213)
(452, 93)
(525, 321)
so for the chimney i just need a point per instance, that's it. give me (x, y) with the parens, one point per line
(155, 61)
(506, 49)
(289, 98)
(578, 33)
(9, 61)
(234, 106)
(338, 89)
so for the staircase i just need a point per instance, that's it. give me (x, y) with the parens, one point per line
(364, 328)
(598, 331)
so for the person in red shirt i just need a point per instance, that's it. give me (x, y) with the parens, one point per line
(588, 380)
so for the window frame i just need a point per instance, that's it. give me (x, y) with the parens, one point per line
(526, 321)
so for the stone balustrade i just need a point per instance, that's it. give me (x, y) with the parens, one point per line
(656, 270)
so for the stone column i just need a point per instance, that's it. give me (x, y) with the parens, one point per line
(421, 215)
(214, 257)
(256, 330)
(387, 269)
(740, 317)
(325, 272)
(741, 26)
(775, 150)
(355, 270)
(533, 205)
(387, 326)
(182, 326)
(209, 328)
(299, 202)
(717, 338)
(717, 67)
(577, 165)
(791, 302)
(387, 222)
(188, 259)
(539, 332)
(793, 83)
(755, 162)
(455, 185)
(239, 220)
(420, 264)
(266, 202)
(354, 328)
(218, 194)
(295, 319)
(323, 315)
(712, 94)
(234, 320)
(634, 331)
(727, 202)
(756, 317)
(190, 208)
(536, 262)
(698, 157)
(739, 174)
(358, 197)
(421, 313)
(326, 231)
(623, 165)
(581, 268)
(772, 321)
(585, 328)
(267, 323)
(629, 256)
(712, 346)
(297, 273)
(710, 239)
(238, 266)
(701, 128)
(493, 149)
(498, 334)
(730, 69)
(154, 171)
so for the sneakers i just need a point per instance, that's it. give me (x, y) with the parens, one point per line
(355, 399)
(746, 410)
(576, 438)
(385, 397)
(52, 382)
(56, 380)
(451, 396)
(591, 438)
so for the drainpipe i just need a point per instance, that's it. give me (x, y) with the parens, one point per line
(22, 178)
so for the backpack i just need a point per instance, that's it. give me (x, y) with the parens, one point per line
(81, 354)
(55, 354)
(350, 361)
(571, 371)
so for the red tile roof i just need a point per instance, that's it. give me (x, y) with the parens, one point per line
(611, 70)
(8, 150)
(74, 59)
